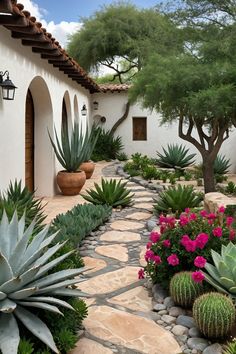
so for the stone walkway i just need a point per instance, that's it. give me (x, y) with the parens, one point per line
(120, 318)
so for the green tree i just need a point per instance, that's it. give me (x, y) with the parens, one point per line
(197, 89)
(121, 37)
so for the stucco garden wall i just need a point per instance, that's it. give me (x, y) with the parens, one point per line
(48, 87)
(112, 106)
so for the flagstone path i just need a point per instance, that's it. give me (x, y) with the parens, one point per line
(120, 317)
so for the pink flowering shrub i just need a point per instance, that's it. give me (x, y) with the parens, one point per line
(185, 244)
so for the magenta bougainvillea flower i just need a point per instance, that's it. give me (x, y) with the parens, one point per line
(221, 209)
(157, 259)
(229, 221)
(198, 276)
(148, 245)
(201, 240)
(200, 262)
(217, 231)
(141, 273)
(203, 213)
(149, 255)
(154, 236)
(173, 260)
(166, 243)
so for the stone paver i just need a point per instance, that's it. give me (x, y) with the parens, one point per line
(94, 263)
(118, 301)
(129, 330)
(113, 251)
(111, 281)
(138, 216)
(120, 236)
(123, 225)
(88, 346)
(136, 299)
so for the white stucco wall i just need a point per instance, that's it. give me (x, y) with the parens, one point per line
(112, 106)
(48, 86)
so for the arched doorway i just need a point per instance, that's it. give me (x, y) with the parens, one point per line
(29, 142)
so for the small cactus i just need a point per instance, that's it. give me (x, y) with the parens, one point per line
(184, 290)
(214, 314)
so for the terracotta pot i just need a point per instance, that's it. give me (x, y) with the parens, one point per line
(71, 183)
(88, 167)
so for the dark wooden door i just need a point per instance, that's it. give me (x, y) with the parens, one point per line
(29, 142)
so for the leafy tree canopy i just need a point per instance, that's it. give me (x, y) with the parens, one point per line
(195, 88)
(123, 32)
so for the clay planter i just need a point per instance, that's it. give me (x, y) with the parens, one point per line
(88, 167)
(71, 183)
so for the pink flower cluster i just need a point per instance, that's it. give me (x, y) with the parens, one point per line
(191, 245)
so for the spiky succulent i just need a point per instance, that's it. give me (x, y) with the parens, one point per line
(175, 199)
(25, 283)
(221, 165)
(230, 348)
(175, 156)
(112, 192)
(214, 315)
(222, 275)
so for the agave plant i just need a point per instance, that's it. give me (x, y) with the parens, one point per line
(175, 199)
(230, 348)
(22, 200)
(89, 141)
(175, 156)
(25, 283)
(221, 165)
(111, 192)
(69, 151)
(222, 275)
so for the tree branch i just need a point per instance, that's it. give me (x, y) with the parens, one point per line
(121, 119)
(188, 136)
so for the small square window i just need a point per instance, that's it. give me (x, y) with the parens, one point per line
(139, 128)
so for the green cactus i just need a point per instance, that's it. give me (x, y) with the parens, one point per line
(214, 315)
(184, 290)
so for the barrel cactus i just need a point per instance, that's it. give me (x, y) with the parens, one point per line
(25, 282)
(214, 315)
(184, 290)
(222, 275)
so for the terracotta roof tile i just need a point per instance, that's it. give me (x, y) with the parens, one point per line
(25, 27)
(114, 87)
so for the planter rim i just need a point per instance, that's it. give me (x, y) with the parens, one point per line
(65, 171)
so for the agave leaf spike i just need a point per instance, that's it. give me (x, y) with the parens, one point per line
(44, 269)
(224, 270)
(22, 294)
(53, 287)
(16, 283)
(50, 299)
(57, 277)
(49, 253)
(21, 225)
(70, 292)
(227, 283)
(36, 242)
(9, 334)
(36, 326)
(215, 284)
(4, 238)
(216, 258)
(212, 270)
(7, 306)
(40, 305)
(6, 271)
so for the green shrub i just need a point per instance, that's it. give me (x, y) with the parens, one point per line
(221, 165)
(107, 146)
(230, 348)
(25, 346)
(122, 156)
(214, 315)
(184, 290)
(187, 176)
(175, 199)
(150, 172)
(79, 222)
(230, 188)
(112, 192)
(182, 240)
(175, 156)
(21, 199)
(25, 282)
(172, 179)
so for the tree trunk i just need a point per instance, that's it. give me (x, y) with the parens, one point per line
(208, 174)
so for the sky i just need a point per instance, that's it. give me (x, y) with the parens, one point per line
(63, 17)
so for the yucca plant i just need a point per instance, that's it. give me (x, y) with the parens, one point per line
(69, 151)
(221, 165)
(107, 147)
(222, 275)
(112, 192)
(89, 141)
(175, 199)
(24, 282)
(175, 156)
(23, 201)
